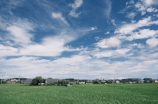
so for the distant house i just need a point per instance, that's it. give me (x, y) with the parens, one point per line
(81, 82)
(147, 80)
(89, 82)
(26, 81)
(141, 81)
(14, 80)
(73, 82)
(2, 81)
(124, 81)
(11, 82)
(156, 81)
(50, 80)
(117, 81)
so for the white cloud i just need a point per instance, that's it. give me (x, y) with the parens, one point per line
(74, 6)
(143, 13)
(150, 10)
(19, 31)
(141, 6)
(131, 15)
(19, 35)
(122, 51)
(111, 53)
(113, 22)
(133, 21)
(108, 8)
(7, 50)
(59, 16)
(102, 44)
(82, 66)
(150, 2)
(103, 54)
(93, 28)
(144, 33)
(111, 42)
(140, 46)
(50, 46)
(152, 42)
(145, 5)
(128, 28)
(107, 32)
(131, 2)
(97, 38)
(123, 22)
(90, 61)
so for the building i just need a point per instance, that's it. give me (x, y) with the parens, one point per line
(50, 80)
(26, 81)
(14, 80)
(81, 82)
(117, 81)
(11, 82)
(156, 81)
(147, 80)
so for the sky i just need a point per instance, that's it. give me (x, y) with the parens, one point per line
(85, 39)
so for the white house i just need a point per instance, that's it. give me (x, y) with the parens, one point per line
(81, 82)
(117, 81)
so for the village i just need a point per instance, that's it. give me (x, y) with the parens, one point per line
(81, 81)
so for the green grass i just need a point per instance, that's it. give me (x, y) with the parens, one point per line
(80, 94)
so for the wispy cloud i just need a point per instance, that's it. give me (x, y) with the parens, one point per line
(131, 15)
(107, 32)
(128, 28)
(131, 31)
(75, 6)
(113, 22)
(108, 8)
(59, 16)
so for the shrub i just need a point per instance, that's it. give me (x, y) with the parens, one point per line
(63, 82)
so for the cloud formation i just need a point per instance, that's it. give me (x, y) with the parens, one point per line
(108, 8)
(152, 42)
(111, 42)
(101, 42)
(75, 6)
(59, 16)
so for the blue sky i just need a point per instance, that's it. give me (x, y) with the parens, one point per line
(79, 38)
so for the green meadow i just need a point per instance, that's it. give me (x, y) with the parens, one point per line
(79, 94)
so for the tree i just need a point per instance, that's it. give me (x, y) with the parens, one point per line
(63, 82)
(37, 80)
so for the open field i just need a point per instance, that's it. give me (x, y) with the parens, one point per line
(80, 94)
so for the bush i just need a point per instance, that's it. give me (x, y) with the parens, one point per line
(63, 82)
(37, 80)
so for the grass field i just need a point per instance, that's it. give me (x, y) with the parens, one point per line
(80, 94)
